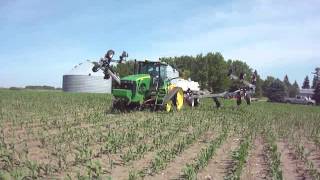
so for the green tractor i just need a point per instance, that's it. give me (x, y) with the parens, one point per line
(148, 87)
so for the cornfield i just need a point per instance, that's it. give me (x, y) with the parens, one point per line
(74, 136)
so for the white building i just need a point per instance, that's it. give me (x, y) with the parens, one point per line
(306, 93)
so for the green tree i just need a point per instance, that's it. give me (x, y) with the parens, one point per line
(306, 83)
(316, 95)
(316, 77)
(266, 84)
(124, 69)
(217, 72)
(276, 91)
(314, 81)
(287, 84)
(259, 83)
(294, 89)
(286, 81)
(239, 67)
(209, 70)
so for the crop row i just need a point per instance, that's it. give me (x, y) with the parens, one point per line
(191, 170)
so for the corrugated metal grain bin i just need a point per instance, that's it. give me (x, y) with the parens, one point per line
(82, 79)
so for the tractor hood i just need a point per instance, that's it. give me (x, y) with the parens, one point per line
(132, 87)
(136, 77)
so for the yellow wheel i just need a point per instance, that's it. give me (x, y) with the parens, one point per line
(169, 106)
(179, 100)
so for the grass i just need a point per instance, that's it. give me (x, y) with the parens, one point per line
(69, 135)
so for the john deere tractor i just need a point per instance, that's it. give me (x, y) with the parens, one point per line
(148, 87)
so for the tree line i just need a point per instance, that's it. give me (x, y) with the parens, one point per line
(32, 87)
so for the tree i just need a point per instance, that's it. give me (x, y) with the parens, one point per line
(306, 83)
(286, 81)
(287, 84)
(314, 81)
(124, 69)
(209, 70)
(266, 84)
(316, 95)
(217, 72)
(316, 77)
(259, 84)
(294, 89)
(239, 67)
(276, 91)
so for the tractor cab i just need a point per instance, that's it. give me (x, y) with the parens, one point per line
(156, 70)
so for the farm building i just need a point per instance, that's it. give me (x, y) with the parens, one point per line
(82, 79)
(306, 92)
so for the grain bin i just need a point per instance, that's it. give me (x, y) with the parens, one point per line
(82, 79)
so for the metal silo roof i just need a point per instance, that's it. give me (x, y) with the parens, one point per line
(84, 68)
(81, 78)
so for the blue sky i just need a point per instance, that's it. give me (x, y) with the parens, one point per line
(40, 40)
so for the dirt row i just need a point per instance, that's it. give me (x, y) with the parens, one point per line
(257, 165)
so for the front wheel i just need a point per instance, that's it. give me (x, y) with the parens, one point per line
(179, 100)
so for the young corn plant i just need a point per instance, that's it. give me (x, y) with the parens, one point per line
(166, 155)
(302, 154)
(239, 157)
(274, 158)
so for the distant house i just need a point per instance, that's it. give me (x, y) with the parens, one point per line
(306, 92)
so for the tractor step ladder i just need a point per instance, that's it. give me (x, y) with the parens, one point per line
(160, 93)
